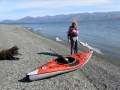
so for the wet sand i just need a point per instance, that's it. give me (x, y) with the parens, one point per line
(36, 50)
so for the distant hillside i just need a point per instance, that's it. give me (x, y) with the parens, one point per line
(96, 16)
(65, 18)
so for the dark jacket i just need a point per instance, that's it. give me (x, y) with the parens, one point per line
(72, 32)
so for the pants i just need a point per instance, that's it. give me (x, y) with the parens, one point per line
(74, 45)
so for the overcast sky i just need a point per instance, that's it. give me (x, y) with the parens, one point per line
(16, 9)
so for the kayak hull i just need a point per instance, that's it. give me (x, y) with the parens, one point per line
(54, 68)
(46, 75)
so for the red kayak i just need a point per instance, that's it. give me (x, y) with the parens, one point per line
(60, 65)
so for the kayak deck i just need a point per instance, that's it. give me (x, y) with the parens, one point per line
(65, 63)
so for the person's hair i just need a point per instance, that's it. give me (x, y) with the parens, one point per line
(74, 22)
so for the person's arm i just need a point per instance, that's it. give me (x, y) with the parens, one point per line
(68, 36)
(69, 32)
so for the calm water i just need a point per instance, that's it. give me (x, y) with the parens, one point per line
(103, 36)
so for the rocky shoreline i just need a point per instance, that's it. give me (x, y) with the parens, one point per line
(36, 50)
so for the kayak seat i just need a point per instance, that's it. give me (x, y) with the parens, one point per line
(67, 60)
(76, 62)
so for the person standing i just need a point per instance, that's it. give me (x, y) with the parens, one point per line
(73, 37)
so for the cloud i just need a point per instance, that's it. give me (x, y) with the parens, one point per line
(53, 7)
(27, 4)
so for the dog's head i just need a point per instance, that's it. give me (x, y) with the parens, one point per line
(14, 50)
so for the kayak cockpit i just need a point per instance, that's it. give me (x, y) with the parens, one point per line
(67, 60)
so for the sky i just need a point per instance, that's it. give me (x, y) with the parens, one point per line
(17, 9)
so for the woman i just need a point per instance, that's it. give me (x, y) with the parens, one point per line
(73, 37)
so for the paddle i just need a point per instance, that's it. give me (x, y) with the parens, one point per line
(81, 43)
(87, 48)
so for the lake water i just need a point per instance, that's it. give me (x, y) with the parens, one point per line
(103, 36)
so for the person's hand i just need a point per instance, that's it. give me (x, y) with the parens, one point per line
(68, 40)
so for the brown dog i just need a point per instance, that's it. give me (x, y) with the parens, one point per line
(9, 54)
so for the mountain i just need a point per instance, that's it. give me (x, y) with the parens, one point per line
(27, 19)
(69, 17)
(7, 21)
(96, 16)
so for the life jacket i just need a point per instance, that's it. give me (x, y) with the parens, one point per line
(74, 32)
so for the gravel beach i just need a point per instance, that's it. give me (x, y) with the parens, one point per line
(36, 50)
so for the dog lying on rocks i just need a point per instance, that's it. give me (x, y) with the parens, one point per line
(10, 54)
